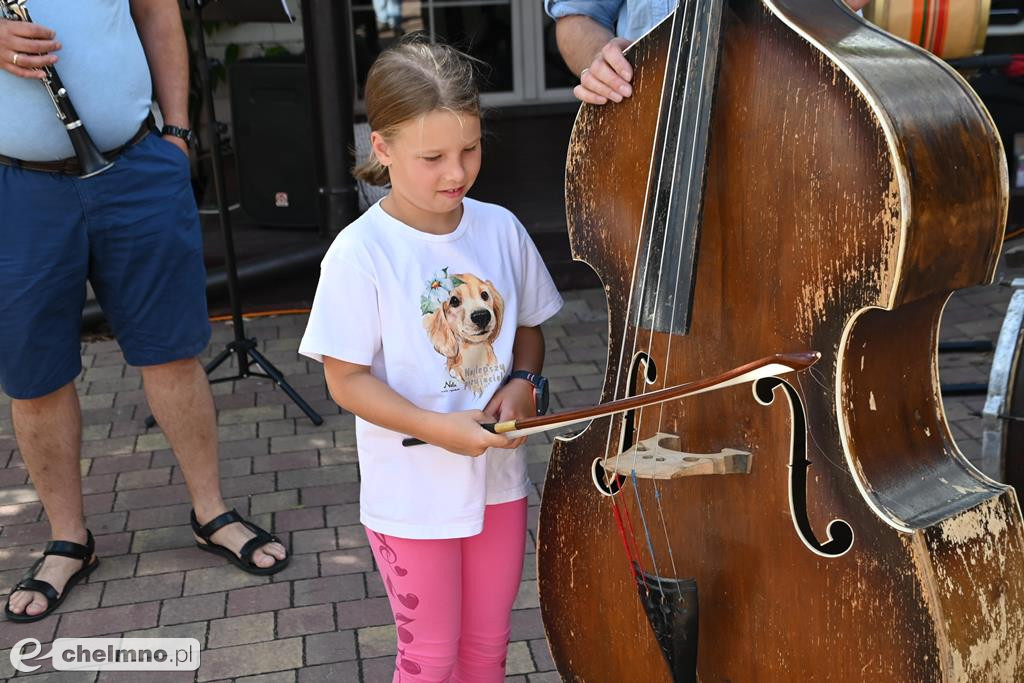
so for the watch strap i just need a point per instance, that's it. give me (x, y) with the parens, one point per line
(531, 377)
(178, 132)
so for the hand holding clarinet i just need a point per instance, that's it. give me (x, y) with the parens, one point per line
(25, 50)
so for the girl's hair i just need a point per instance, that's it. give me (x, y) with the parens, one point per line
(413, 78)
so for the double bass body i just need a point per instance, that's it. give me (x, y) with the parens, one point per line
(853, 182)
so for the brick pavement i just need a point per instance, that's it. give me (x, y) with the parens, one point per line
(325, 618)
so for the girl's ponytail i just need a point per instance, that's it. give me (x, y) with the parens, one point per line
(372, 172)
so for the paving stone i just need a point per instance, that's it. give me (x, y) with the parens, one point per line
(301, 567)
(217, 579)
(266, 598)
(278, 462)
(22, 534)
(378, 669)
(151, 497)
(138, 589)
(250, 414)
(542, 654)
(328, 589)
(120, 567)
(156, 517)
(527, 624)
(243, 660)
(301, 621)
(276, 677)
(112, 544)
(527, 596)
(299, 518)
(121, 463)
(83, 597)
(346, 561)
(148, 540)
(104, 620)
(352, 536)
(196, 629)
(303, 442)
(360, 613)
(273, 502)
(276, 428)
(318, 476)
(21, 513)
(326, 495)
(330, 673)
(323, 648)
(42, 630)
(191, 609)
(250, 628)
(313, 540)
(139, 479)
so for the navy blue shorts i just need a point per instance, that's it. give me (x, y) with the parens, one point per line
(133, 232)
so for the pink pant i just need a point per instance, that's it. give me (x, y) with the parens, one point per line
(452, 598)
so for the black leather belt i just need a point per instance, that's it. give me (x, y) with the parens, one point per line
(70, 165)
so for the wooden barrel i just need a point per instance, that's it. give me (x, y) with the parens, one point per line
(947, 28)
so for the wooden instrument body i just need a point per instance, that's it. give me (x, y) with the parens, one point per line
(854, 182)
(947, 29)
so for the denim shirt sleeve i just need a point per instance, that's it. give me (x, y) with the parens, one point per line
(604, 12)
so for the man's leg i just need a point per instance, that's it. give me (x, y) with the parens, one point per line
(49, 433)
(179, 395)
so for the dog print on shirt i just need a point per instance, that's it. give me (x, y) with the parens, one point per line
(462, 316)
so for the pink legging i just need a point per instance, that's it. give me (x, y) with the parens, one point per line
(452, 598)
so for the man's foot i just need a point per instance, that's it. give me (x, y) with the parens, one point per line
(228, 534)
(62, 562)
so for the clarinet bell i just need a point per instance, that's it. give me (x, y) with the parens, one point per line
(90, 160)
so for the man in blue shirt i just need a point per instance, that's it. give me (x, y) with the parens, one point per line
(592, 34)
(133, 232)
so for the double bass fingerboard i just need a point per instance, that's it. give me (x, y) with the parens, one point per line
(678, 169)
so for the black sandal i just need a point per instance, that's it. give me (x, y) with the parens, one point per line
(244, 562)
(75, 551)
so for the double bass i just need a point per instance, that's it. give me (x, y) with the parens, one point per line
(785, 178)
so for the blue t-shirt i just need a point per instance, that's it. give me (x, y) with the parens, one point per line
(627, 19)
(104, 69)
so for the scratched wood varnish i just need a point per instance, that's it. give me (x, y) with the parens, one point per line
(853, 183)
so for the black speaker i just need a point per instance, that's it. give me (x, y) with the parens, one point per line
(273, 137)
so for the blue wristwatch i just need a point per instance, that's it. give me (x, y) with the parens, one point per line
(541, 395)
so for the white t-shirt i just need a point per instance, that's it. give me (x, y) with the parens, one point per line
(435, 317)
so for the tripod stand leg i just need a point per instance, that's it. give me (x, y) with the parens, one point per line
(279, 379)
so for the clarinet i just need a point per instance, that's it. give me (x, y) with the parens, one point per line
(90, 160)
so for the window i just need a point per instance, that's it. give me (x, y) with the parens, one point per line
(514, 38)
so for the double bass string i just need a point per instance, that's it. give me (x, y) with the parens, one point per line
(693, 170)
(698, 10)
(618, 383)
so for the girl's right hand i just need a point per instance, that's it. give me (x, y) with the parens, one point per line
(461, 433)
(33, 44)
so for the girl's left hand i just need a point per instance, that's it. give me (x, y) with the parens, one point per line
(513, 401)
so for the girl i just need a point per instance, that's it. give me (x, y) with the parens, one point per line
(426, 305)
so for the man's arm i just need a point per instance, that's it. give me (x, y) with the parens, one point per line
(163, 39)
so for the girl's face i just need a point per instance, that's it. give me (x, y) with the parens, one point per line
(433, 160)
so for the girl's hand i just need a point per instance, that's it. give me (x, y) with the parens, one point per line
(461, 433)
(513, 401)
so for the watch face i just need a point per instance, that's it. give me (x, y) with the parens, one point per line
(543, 395)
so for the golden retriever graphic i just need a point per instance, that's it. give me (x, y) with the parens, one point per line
(462, 315)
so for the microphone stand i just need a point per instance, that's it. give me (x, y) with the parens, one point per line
(243, 348)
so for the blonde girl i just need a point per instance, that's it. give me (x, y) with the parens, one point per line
(426, 320)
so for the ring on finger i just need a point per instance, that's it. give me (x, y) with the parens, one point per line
(14, 58)
(584, 73)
